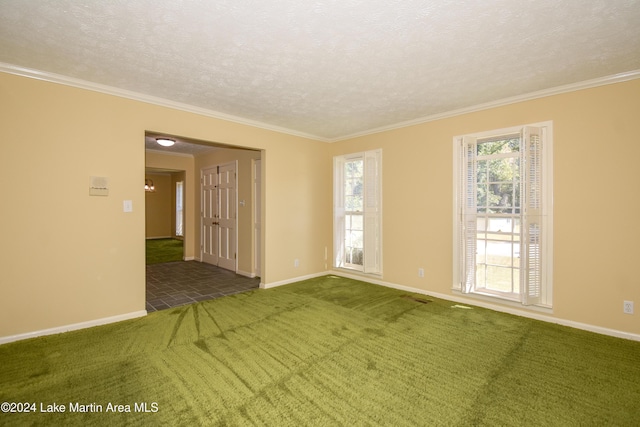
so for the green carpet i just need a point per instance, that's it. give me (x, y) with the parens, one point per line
(327, 351)
(164, 250)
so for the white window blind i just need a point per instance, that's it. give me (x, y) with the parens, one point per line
(338, 212)
(468, 220)
(372, 212)
(532, 215)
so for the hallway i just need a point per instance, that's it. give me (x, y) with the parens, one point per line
(173, 284)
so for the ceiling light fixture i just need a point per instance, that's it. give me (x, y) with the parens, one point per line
(165, 142)
(148, 185)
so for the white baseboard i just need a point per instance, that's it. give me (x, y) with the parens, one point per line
(73, 327)
(246, 274)
(189, 258)
(496, 307)
(295, 279)
(453, 298)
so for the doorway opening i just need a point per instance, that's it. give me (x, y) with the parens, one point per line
(164, 215)
(193, 278)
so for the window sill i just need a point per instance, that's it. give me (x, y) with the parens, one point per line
(355, 272)
(497, 300)
(503, 296)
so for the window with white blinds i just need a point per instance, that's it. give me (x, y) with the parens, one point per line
(503, 230)
(358, 211)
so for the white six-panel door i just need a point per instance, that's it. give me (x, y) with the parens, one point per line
(227, 230)
(219, 230)
(209, 251)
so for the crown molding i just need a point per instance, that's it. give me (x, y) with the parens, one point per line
(109, 90)
(136, 96)
(587, 84)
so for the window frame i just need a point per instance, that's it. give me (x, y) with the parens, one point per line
(371, 213)
(545, 215)
(179, 207)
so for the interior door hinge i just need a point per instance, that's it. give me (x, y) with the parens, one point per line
(235, 256)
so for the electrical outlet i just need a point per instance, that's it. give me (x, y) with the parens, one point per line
(628, 307)
(421, 272)
(296, 262)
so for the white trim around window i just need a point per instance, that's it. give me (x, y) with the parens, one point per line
(503, 214)
(357, 225)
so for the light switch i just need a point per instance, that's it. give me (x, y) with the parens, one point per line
(127, 206)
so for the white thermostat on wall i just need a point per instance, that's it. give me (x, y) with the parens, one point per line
(99, 186)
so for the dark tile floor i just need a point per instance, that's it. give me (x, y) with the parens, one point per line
(172, 284)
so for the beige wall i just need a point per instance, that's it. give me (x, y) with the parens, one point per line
(69, 258)
(596, 147)
(159, 207)
(87, 249)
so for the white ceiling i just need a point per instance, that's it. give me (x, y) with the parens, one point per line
(325, 69)
(182, 145)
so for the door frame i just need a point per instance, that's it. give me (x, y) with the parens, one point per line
(257, 216)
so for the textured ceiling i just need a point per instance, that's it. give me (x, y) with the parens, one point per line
(181, 146)
(327, 69)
